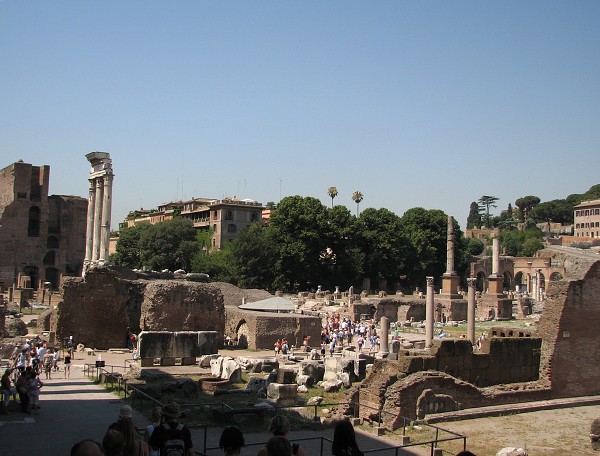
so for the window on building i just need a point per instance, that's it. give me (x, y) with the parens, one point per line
(49, 258)
(254, 217)
(33, 227)
(52, 242)
(21, 195)
(228, 215)
(231, 228)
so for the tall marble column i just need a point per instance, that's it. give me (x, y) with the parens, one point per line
(495, 256)
(450, 246)
(538, 284)
(98, 218)
(471, 283)
(106, 210)
(89, 232)
(429, 313)
(99, 209)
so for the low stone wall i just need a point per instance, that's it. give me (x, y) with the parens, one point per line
(168, 346)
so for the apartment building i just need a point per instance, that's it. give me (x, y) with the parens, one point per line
(587, 219)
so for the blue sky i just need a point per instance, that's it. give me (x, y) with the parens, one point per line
(423, 103)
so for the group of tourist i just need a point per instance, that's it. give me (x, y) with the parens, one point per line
(339, 330)
(22, 377)
(164, 436)
(344, 440)
(167, 436)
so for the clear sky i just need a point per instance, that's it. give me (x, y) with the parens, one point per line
(413, 103)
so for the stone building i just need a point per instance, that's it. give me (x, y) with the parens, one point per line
(226, 217)
(587, 219)
(41, 237)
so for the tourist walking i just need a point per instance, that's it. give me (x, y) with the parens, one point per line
(22, 386)
(67, 364)
(34, 384)
(157, 419)
(8, 390)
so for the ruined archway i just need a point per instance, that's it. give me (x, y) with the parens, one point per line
(242, 333)
(480, 284)
(519, 282)
(508, 281)
(556, 276)
(53, 276)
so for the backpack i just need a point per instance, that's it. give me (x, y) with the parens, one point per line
(174, 444)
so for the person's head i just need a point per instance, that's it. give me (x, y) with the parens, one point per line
(171, 411)
(127, 429)
(280, 425)
(125, 412)
(465, 453)
(232, 440)
(279, 446)
(343, 436)
(157, 414)
(113, 443)
(87, 447)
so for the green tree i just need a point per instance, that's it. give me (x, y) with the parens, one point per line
(559, 211)
(485, 202)
(342, 261)
(474, 217)
(169, 245)
(253, 257)
(298, 226)
(332, 192)
(384, 246)
(427, 232)
(129, 250)
(525, 205)
(357, 197)
(521, 243)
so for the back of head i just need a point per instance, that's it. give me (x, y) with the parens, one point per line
(87, 448)
(113, 442)
(279, 446)
(231, 440)
(280, 425)
(343, 436)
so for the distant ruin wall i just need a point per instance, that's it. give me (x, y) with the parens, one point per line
(262, 329)
(100, 310)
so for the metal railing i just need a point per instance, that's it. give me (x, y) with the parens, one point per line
(113, 376)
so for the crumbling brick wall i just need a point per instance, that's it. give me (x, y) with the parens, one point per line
(570, 329)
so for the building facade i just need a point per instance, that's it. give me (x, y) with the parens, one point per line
(226, 217)
(586, 219)
(42, 237)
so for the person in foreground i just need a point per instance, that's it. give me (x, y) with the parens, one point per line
(172, 436)
(344, 440)
(231, 441)
(280, 427)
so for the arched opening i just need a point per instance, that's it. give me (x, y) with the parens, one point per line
(507, 285)
(53, 276)
(52, 242)
(33, 226)
(519, 285)
(555, 277)
(242, 332)
(32, 273)
(480, 284)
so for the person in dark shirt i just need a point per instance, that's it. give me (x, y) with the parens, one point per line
(172, 430)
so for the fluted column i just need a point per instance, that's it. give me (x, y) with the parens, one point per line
(538, 284)
(471, 283)
(429, 313)
(98, 218)
(89, 232)
(106, 209)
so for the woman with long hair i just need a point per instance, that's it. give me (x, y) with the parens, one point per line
(344, 440)
(134, 445)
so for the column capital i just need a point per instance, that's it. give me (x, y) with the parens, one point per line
(471, 282)
(429, 281)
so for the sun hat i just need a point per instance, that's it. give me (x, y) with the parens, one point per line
(125, 411)
(171, 410)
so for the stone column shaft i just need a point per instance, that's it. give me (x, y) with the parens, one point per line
(383, 337)
(98, 218)
(471, 282)
(106, 209)
(450, 246)
(89, 232)
(495, 256)
(429, 313)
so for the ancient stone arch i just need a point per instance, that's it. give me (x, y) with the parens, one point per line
(242, 332)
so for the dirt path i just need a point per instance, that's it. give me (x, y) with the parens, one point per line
(548, 432)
